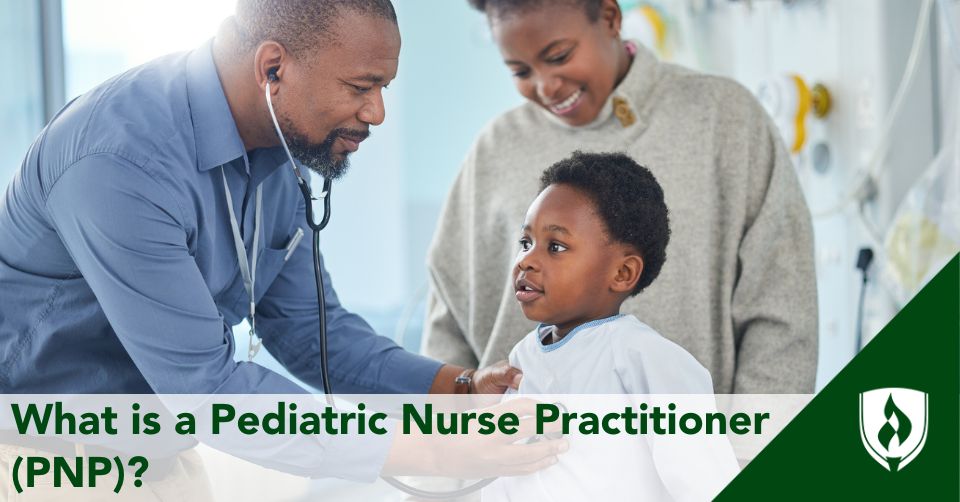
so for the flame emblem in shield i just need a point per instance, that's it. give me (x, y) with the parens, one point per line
(893, 425)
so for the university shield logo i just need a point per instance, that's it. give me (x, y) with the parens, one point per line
(893, 425)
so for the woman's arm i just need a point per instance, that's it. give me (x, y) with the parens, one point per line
(774, 301)
(445, 334)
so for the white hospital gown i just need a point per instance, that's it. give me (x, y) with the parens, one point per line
(623, 356)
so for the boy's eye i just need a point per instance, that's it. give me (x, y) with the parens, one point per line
(360, 89)
(556, 247)
(525, 244)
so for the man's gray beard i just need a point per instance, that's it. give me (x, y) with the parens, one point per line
(317, 157)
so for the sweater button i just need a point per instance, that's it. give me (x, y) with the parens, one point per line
(623, 112)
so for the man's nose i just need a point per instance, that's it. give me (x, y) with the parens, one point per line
(373, 111)
(547, 88)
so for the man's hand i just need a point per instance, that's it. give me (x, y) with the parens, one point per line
(474, 455)
(496, 379)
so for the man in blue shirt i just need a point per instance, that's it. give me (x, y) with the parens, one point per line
(123, 233)
(118, 265)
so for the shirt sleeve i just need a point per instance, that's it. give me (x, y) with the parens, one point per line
(128, 237)
(648, 363)
(656, 371)
(360, 361)
(774, 301)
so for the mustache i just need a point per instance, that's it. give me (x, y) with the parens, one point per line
(351, 134)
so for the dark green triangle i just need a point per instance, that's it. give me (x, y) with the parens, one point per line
(820, 456)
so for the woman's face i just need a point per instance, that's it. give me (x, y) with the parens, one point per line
(562, 60)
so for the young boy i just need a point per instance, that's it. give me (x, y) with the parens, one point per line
(596, 235)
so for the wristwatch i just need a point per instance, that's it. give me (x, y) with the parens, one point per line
(463, 383)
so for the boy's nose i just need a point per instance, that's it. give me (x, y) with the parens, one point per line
(527, 261)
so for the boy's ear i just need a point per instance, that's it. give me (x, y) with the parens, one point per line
(628, 273)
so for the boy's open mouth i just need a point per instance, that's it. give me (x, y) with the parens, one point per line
(527, 291)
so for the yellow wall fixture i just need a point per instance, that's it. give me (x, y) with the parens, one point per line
(821, 100)
(647, 24)
(656, 23)
(789, 100)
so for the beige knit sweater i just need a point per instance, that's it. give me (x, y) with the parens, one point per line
(738, 289)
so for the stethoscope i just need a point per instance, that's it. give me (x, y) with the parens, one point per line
(316, 227)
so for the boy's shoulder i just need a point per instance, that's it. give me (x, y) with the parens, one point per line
(529, 344)
(648, 362)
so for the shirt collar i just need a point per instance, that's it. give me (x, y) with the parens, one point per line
(544, 330)
(215, 132)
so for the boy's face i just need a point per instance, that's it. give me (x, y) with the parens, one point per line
(566, 264)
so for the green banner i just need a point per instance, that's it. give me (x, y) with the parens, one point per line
(887, 427)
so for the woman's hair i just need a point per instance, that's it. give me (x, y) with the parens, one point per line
(500, 8)
(628, 200)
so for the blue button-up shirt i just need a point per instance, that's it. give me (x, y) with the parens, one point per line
(118, 271)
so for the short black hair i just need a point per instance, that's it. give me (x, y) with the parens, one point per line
(300, 25)
(627, 198)
(505, 7)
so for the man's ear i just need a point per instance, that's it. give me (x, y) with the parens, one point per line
(269, 58)
(628, 273)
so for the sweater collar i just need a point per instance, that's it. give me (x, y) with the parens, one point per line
(633, 91)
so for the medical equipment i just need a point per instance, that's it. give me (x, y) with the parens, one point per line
(864, 259)
(925, 232)
(318, 276)
(316, 227)
(789, 100)
(864, 187)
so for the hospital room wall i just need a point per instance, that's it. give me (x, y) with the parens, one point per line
(858, 49)
(21, 98)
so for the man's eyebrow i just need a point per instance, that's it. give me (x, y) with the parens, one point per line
(371, 77)
(542, 54)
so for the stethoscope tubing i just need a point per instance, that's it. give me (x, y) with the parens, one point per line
(316, 227)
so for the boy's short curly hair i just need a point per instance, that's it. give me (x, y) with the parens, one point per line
(627, 198)
(506, 7)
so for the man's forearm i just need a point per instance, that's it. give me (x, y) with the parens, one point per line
(445, 381)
